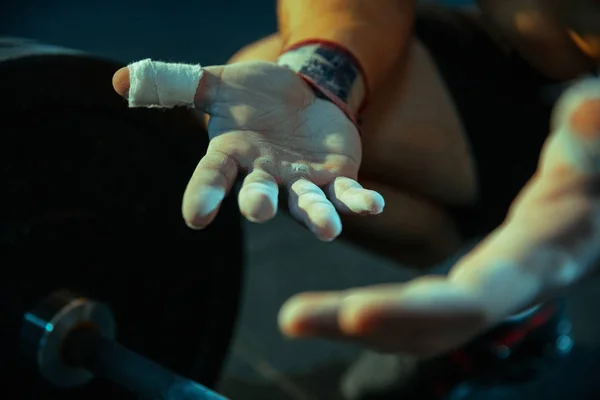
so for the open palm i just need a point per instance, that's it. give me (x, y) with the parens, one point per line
(267, 122)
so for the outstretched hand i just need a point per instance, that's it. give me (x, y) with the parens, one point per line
(266, 122)
(548, 242)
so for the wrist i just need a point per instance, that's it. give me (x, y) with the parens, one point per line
(331, 70)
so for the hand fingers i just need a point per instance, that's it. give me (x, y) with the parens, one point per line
(148, 83)
(575, 141)
(312, 315)
(308, 203)
(212, 180)
(550, 239)
(334, 314)
(426, 315)
(258, 196)
(348, 196)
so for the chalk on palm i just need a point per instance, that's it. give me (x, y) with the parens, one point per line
(161, 84)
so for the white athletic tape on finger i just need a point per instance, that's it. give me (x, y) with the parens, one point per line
(161, 84)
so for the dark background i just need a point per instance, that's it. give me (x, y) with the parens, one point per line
(283, 259)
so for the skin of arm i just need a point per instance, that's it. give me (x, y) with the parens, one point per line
(375, 31)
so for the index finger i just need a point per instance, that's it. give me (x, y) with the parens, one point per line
(149, 83)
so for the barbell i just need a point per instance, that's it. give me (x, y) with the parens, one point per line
(91, 194)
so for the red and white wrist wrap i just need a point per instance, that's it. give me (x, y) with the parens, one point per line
(331, 70)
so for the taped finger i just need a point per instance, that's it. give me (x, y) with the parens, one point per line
(348, 196)
(149, 83)
(258, 196)
(308, 203)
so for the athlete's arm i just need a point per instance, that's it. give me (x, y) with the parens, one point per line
(375, 31)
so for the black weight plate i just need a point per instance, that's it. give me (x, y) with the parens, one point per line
(91, 194)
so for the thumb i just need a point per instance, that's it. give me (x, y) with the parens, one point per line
(550, 241)
(148, 83)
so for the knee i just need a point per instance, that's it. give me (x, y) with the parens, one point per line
(265, 49)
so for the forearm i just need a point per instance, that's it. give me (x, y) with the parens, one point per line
(376, 32)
